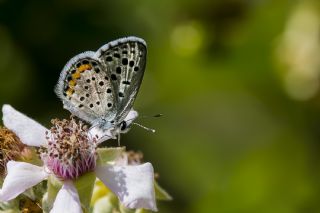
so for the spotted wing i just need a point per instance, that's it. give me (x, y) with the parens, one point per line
(85, 88)
(125, 61)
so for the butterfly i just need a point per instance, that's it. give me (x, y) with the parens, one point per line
(100, 87)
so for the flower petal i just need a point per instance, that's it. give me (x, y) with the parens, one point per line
(29, 131)
(20, 177)
(67, 200)
(134, 185)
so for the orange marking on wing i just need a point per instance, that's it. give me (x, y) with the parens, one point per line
(72, 83)
(70, 92)
(84, 67)
(76, 75)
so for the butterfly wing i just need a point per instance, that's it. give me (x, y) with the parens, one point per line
(125, 61)
(104, 84)
(85, 89)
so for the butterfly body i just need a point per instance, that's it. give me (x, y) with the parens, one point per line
(100, 87)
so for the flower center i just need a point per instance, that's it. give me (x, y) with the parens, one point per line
(70, 153)
(11, 148)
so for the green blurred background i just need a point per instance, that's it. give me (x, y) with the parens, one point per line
(237, 82)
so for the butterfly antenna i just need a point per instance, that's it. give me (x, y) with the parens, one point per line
(146, 128)
(158, 115)
(153, 116)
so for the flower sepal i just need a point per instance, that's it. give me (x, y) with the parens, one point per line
(84, 185)
(123, 209)
(54, 185)
(161, 194)
(108, 203)
(108, 155)
(10, 206)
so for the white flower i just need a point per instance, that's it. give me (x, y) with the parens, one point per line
(133, 184)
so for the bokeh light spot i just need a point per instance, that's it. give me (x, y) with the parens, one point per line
(187, 39)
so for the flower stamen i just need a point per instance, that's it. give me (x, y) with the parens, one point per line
(11, 148)
(70, 153)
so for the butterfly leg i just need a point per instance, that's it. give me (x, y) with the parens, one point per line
(118, 138)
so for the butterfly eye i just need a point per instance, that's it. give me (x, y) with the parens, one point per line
(123, 125)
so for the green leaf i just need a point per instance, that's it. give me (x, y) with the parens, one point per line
(106, 155)
(161, 194)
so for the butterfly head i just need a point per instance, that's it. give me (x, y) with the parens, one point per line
(104, 129)
(125, 125)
